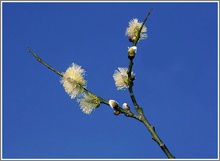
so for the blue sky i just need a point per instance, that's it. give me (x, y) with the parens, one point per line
(176, 70)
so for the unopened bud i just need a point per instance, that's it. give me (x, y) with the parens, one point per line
(132, 78)
(125, 106)
(113, 104)
(131, 52)
(132, 38)
(116, 112)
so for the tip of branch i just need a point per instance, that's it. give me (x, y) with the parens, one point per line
(29, 49)
(149, 12)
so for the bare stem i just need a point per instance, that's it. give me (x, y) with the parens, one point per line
(156, 138)
(44, 63)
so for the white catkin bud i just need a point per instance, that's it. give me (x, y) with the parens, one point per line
(113, 103)
(125, 106)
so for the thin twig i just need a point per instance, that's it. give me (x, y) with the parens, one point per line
(44, 63)
(145, 20)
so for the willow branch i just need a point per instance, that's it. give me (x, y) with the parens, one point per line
(139, 110)
(127, 113)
